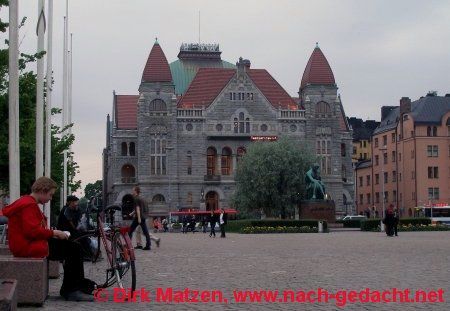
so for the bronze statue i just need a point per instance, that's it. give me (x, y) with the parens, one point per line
(315, 188)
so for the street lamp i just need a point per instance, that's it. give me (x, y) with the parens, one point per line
(383, 149)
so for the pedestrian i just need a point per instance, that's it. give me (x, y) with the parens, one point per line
(212, 223)
(139, 219)
(204, 224)
(165, 224)
(396, 221)
(185, 222)
(389, 222)
(29, 237)
(222, 222)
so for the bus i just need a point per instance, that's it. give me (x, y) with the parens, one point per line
(438, 212)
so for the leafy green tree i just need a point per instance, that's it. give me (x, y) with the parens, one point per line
(271, 177)
(93, 190)
(27, 128)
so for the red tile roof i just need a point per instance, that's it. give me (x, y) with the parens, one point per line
(157, 68)
(126, 111)
(317, 71)
(205, 87)
(271, 89)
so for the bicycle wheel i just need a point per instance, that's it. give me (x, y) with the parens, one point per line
(122, 264)
(87, 244)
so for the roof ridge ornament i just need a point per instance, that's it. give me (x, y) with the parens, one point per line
(317, 45)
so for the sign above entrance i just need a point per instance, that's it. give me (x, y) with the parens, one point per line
(263, 138)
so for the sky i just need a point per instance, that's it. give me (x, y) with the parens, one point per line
(379, 51)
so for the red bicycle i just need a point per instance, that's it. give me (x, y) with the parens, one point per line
(117, 246)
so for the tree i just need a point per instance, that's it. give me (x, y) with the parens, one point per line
(271, 177)
(93, 190)
(27, 128)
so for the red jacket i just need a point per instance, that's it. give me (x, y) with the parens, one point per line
(27, 228)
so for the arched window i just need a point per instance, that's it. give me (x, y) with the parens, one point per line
(157, 105)
(211, 155)
(236, 125)
(429, 131)
(124, 149)
(158, 198)
(128, 174)
(226, 161)
(247, 125)
(240, 153)
(132, 149)
(323, 108)
(434, 131)
(241, 122)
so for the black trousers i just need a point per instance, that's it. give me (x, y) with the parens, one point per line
(71, 255)
(143, 225)
(213, 230)
(222, 230)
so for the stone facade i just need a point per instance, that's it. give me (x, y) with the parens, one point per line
(171, 141)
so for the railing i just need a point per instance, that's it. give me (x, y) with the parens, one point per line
(128, 180)
(190, 113)
(291, 114)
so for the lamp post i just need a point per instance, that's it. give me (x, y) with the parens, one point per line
(383, 149)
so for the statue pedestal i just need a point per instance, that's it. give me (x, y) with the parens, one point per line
(318, 209)
(202, 206)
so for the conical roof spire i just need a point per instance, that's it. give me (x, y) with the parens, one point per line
(317, 71)
(157, 68)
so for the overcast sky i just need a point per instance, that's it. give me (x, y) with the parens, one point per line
(379, 51)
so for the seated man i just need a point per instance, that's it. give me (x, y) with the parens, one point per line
(314, 186)
(29, 237)
(70, 215)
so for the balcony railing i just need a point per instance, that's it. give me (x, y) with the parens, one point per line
(190, 113)
(291, 114)
(128, 180)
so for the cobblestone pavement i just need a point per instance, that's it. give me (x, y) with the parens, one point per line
(333, 261)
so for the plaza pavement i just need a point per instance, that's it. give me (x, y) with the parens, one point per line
(332, 261)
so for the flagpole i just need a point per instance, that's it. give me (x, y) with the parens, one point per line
(65, 97)
(40, 31)
(69, 104)
(48, 122)
(14, 150)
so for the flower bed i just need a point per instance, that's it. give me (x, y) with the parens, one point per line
(279, 229)
(423, 228)
(239, 225)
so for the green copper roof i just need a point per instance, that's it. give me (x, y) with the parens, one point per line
(183, 71)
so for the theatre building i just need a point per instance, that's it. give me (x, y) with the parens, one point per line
(181, 137)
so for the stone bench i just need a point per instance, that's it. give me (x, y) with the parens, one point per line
(8, 294)
(31, 275)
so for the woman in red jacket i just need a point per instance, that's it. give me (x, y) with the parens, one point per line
(29, 236)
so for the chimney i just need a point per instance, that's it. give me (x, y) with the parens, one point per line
(385, 110)
(405, 105)
(243, 64)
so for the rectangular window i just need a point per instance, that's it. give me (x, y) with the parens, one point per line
(433, 193)
(376, 160)
(435, 151)
(328, 147)
(376, 142)
(361, 199)
(365, 144)
(360, 144)
(368, 198)
(394, 176)
(323, 147)
(385, 158)
(394, 196)
(386, 197)
(386, 177)
(158, 161)
(189, 165)
(368, 180)
(377, 179)
(393, 137)
(394, 158)
(360, 181)
(384, 140)
(365, 155)
(231, 95)
(433, 172)
(377, 197)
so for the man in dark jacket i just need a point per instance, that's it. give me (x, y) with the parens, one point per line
(139, 217)
(70, 216)
(389, 221)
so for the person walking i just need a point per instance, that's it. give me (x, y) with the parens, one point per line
(212, 223)
(389, 222)
(222, 222)
(139, 219)
(396, 221)
(165, 225)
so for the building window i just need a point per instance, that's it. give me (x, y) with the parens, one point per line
(376, 142)
(344, 173)
(354, 150)
(189, 199)
(433, 172)
(368, 198)
(226, 161)
(343, 153)
(377, 179)
(158, 198)
(434, 131)
(399, 157)
(189, 163)
(448, 127)
(433, 193)
(132, 149)
(236, 125)
(240, 153)
(368, 180)
(365, 144)
(385, 158)
(365, 155)
(432, 150)
(394, 196)
(241, 96)
(360, 181)
(361, 199)
(385, 174)
(247, 125)
(393, 137)
(322, 108)
(386, 197)
(394, 176)
(323, 149)
(158, 105)
(394, 158)
(128, 174)
(211, 156)
(377, 160)
(431, 131)
(377, 197)
(124, 149)
(384, 140)
(158, 155)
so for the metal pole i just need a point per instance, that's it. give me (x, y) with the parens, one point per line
(40, 93)
(382, 190)
(14, 150)
(69, 105)
(48, 122)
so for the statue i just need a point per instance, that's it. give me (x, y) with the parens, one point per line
(315, 188)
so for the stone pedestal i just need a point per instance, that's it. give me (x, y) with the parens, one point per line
(8, 294)
(320, 210)
(53, 269)
(202, 206)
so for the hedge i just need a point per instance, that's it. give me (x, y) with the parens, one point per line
(354, 223)
(373, 223)
(257, 230)
(238, 225)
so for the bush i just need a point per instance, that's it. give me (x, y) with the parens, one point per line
(411, 227)
(374, 224)
(284, 229)
(238, 225)
(176, 225)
